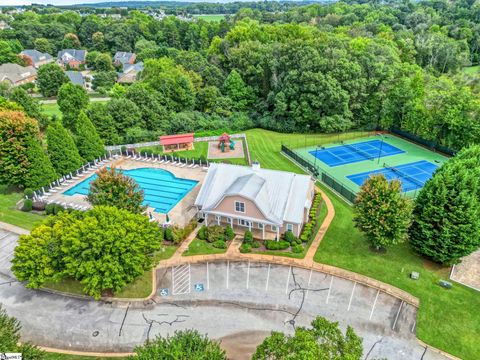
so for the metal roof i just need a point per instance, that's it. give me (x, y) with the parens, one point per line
(176, 139)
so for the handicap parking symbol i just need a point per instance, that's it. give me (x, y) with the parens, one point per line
(163, 292)
(198, 287)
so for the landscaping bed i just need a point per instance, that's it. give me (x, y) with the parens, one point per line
(213, 239)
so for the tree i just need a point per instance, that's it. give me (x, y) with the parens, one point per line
(71, 100)
(30, 105)
(104, 80)
(188, 344)
(446, 217)
(9, 50)
(113, 188)
(10, 338)
(103, 62)
(104, 248)
(62, 150)
(70, 41)
(235, 89)
(22, 159)
(125, 114)
(88, 142)
(43, 45)
(50, 77)
(102, 120)
(324, 341)
(381, 212)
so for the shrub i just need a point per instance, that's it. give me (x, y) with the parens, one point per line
(215, 233)
(168, 234)
(178, 234)
(220, 244)
(296, 249)
(245, 248)
(229, 234)
(276, 245)
(248, 237)
(255, 244)
(27, 205)
(49, 209)
(288, 236)
(202, 233)
(28, 193)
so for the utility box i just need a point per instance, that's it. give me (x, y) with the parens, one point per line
(445, 284)
(414, 275)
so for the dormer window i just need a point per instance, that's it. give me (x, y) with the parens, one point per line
(239, 206)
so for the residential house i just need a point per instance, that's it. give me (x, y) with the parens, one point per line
(266, 202)
(36, 58)
(77, 78)
(4, 25)
(130, 73)
(16, 74)
(122, 58)
(72, 58)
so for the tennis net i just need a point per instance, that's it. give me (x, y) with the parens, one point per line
(360, 152)
(403, 175)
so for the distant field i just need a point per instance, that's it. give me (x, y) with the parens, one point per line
(472, 70)
(210, 17)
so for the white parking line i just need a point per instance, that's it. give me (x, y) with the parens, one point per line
(228, 271)
(268, 278)
(351, 296)
(248, 274)
(413, 326)
(181, 279)
(329, 289)
(398, 314)
(288, 279)
(373, 306)
(308, 285)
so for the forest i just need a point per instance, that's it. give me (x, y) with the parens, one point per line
(315, 68)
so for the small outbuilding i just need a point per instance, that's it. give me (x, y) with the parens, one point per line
(178, 142)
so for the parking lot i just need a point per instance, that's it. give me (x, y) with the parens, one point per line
(8, 241)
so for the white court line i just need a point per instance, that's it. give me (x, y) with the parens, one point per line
(373, 306)
(398, 314)
(268, 278)
(208, 279)
(351, 296)
(308, 285)
(228, 271)
(288, 279)
(413, 326)
(329, 289)
(248, 274)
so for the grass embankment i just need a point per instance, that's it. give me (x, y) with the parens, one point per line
(140, 288)
(447, 319)
(52, 109)
(202, 247)
(11, 215)
(210, 17)
(472, 70)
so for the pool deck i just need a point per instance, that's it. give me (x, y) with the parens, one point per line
(180, 215)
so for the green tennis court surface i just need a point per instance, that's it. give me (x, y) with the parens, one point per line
(351, 162)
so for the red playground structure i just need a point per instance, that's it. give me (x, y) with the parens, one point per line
(225, 139)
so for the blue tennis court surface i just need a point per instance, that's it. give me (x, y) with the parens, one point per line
(413, 175)
(162, 190)
(351, 153)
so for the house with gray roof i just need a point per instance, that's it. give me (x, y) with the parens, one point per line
(130, 73)
(122, 58)
(16, 74)
(266, 202)
(72, 58)
(76, 78)
(36, 58)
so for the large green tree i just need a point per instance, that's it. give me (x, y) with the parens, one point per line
(236, 89)
(103, 121)
(113, 188)
(50, 78)
(10, 338)
(446, 217)
(188, 344)
(88, 142)
(381, 212)
(104, 248)
(22, 158)
(62, 150)
(323, 341)
(71, 100)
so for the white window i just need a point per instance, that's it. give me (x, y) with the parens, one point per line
(244, 223)
(260, 226)
(230, 221)
(290, 227)
(274, 228)
(239, 206)
(218, 218)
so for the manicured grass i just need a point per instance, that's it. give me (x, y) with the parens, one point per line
(200, 149)
(210, 17)
(51, 109)
(57, 356)
(447, 319)
(202, 247)
(10, 215)
(472, 70)
(140, 288)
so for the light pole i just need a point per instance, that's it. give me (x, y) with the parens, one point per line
(308, 127)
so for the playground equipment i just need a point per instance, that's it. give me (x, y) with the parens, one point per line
(226, 139)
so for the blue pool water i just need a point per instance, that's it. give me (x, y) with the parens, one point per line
(161, 188)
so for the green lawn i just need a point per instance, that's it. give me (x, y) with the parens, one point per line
(10, 215)
(472, 70)
(51, 109)
(202, 247)
(210, 17)
(447, 319)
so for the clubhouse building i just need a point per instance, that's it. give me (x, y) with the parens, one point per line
(266, 202)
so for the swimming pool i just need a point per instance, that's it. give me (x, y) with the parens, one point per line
(161, 188)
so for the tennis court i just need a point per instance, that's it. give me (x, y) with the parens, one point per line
(412, 176)
(351, 153)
